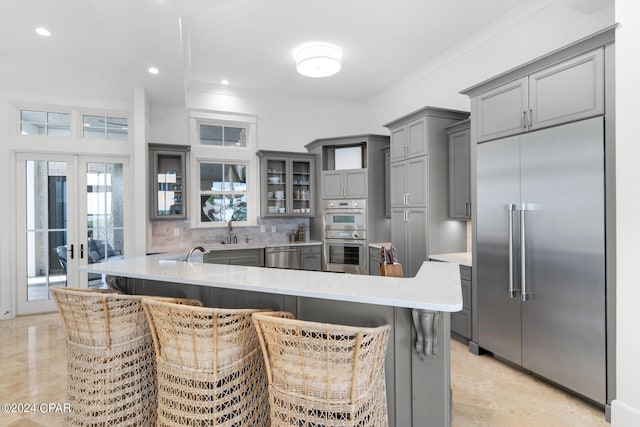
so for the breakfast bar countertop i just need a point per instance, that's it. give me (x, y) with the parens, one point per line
(436, 286)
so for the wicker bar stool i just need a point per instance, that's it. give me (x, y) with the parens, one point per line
(322, 374)
(110, 358)
(210, 367)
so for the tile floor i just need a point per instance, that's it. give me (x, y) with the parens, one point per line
(485, 391)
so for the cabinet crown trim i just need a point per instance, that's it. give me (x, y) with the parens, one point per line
(428, 112)
(579, 47)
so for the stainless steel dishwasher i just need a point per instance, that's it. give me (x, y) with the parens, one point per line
(282, 257)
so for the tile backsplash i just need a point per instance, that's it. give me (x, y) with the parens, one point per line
(175, 234)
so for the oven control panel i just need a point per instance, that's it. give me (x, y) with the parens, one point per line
(345, 234)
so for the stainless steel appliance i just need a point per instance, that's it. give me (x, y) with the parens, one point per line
(540, 254)
(282, 257)
(344, 246)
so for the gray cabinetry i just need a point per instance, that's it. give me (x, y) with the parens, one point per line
(287, 184)
(419, 175)
(167, 181)
(410, 235)
(460, 170)
(310, 258)
(567, 91)
(408, 140)
(461, 321)
(409, 181)
(374, 261)
(344, 184)
(252, 257)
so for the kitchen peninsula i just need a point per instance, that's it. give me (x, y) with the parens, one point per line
(418, 356)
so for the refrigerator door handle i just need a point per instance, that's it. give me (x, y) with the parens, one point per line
(523, 250)
(511, 207)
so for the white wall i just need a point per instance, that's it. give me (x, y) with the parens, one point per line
(626, 407)
(526, 33)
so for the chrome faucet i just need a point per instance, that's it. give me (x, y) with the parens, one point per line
(230, 230)
(192, 250)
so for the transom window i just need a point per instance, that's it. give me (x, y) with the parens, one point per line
(105, 127)
(45, 123)
(223, 192)
(223, 136)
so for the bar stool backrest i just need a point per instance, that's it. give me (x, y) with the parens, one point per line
(100, 319)
(333, 363)
(201, 338)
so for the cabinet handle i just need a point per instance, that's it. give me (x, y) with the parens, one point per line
(407, 199)
(530, 118)
(524, 119)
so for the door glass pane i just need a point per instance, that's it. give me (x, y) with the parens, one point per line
(46, 232)
(105, 215)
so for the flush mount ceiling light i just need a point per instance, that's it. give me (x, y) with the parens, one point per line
(153, 70)
(317, 59)
(43, 31)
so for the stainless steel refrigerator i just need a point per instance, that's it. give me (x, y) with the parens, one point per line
(541, 254)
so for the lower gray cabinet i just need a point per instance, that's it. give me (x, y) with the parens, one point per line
(310, 258)
(250, 257)
(374, 261)
(461, 320)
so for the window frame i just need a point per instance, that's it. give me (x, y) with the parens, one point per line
(202, 153)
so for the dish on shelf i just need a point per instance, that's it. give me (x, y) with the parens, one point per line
(273, 180)
(279, 194)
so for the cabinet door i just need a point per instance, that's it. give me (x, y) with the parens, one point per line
(459, 175)
(569, 91)
(416, 181)
(398, 184)
(332, 184)
(355, 183)
(398, 144)
(501, 111)
(278, 191)
(311, 262)
(417, 138)
(302, 196)
(416, 240)
(399, 235)
(168, 183)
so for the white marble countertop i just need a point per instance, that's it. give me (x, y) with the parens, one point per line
(462, 258)
(435, 287)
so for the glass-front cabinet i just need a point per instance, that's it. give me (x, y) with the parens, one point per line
(287, 187)
(168, 181)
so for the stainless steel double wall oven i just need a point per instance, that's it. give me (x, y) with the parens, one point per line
(344, 225)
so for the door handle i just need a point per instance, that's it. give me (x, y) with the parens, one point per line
(523, 250)
(81, 251)
(70, 250)
(510, 209)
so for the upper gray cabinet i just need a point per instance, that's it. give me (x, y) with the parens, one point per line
(460, 170)
(287, 184)
(567, 91)
(408, 140)
(168, 185)
(344, 184)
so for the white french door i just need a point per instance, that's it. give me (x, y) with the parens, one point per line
(70, 211)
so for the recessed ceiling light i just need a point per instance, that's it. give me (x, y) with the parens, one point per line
(317, 59)
(153, 70)
(43, 31)
(224, 81)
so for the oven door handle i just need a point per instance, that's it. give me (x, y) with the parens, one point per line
(355, 241)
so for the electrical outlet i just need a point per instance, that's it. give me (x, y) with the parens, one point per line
(262, 230)
(176, 231)
(273, 228)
